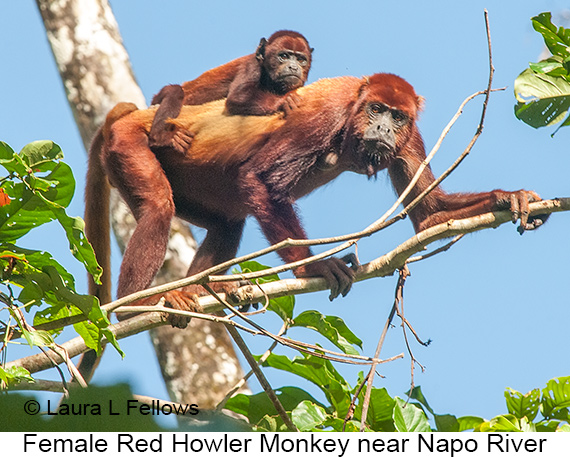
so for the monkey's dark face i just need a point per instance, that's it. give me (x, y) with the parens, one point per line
(287, 69)
(380, 138)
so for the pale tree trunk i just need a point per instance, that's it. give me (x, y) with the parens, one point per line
(199, 365)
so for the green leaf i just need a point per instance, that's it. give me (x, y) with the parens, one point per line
(32, 200)
(417, 394)
(86, 303)
(469, 422)
(42, 278)
(30, 272)
(504, 423)
(556, 39)
(282, 306)
(555, 401)
(25, 212)
(380, 410)
(78, 244)
(331, 327)
(6, 152)
(446, 423)
(547, 426)
(37, 153)
(256, 407)
(46, 189)
(521, 405)
(250, 266)
(554, 66)
(53, 313)
(320, 372)
(338, 425)
(269, 424)
(307, 416)
(90, 334)
(409, 418)
(111, 338)
(526, 426)
(39, 338)
(12, 162)
(15, 375)
(542, 99)
(443, 422)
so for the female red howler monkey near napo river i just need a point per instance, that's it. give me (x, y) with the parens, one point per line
(259, 165)
(257, 84)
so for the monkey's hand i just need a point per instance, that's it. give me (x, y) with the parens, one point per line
(518, 202)
(182, 140)
(290, 102)
(337, 274)
(171, 137)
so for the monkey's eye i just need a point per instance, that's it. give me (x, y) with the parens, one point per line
(398, 116)
(376, 108)
(283, 56)
(302, 60)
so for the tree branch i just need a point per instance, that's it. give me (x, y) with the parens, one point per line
(382, 266)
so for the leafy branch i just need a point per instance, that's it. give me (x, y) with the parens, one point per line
(543, 90)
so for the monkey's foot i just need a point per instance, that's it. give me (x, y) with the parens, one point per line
(175, 299)
(182, 300)
(338, 275)
(187, 299)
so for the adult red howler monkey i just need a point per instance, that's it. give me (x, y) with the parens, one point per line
(259, 165)
(257, 84)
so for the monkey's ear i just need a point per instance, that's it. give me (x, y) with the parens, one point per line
(364, 85)
(260, 51)
(311, 50)
(420, 102)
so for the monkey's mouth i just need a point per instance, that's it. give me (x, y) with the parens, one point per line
(378, 153)
(290, 81)
(378, 148)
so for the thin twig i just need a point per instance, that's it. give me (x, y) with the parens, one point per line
(298, 345)
(62, 352)
(404, 324)
(307, 348)
(242, 346)
(439, 250)
(240, 343)
(404, 272)
(55, 365)
(416, 336)
(352, 407)
(244, 379)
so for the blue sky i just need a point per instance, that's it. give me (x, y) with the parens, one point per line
(495, 306)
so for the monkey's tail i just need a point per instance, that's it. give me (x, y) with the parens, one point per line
(97, 222)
